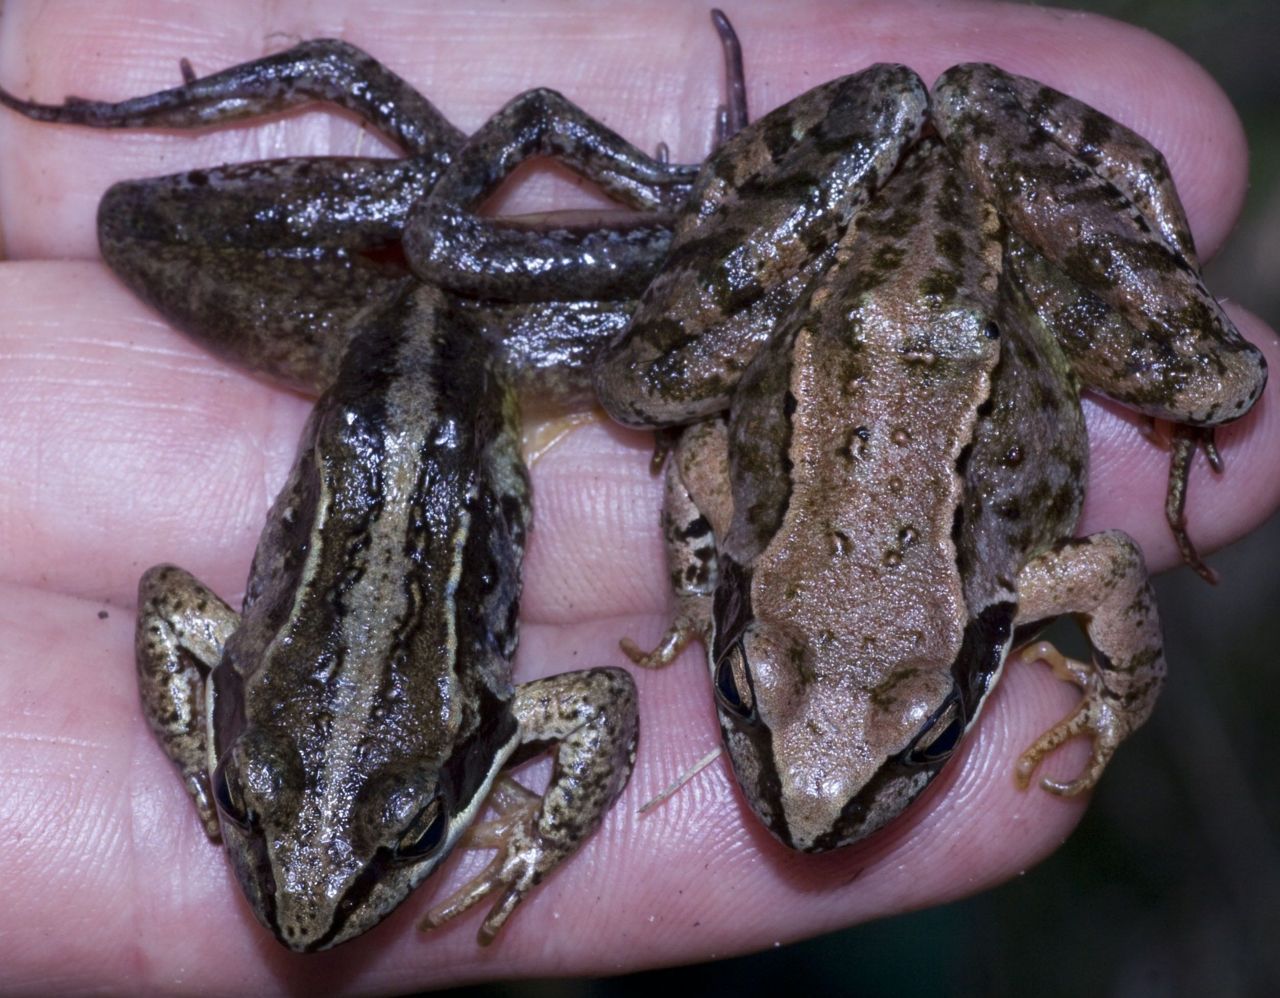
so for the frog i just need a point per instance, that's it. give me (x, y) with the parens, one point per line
(877, 313)
(345, 730)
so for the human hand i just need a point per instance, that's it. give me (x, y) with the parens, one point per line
(125, 445)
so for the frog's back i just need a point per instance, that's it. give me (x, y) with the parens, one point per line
(869, 401)
(385, 587)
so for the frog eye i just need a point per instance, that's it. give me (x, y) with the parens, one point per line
(733, 686)
(227, 793)
(940, 735)
(426, 833)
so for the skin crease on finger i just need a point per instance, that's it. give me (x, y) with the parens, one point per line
(104, 862)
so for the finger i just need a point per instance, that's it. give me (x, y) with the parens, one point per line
(939, 840)
(129, 445)
(126, 445)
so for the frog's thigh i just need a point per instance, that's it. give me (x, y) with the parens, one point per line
(181, 629)
(1097, 201)
(1116, 153)
(1102, 580)
(276, 302)
(697, 506)
(1199, 370)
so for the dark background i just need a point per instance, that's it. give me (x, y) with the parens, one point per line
(1171, 885)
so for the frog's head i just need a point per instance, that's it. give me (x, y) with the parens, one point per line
(323, 863)
(828, 741)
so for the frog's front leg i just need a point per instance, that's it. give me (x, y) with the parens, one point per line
(697, 509)
(181, 629)
(1102, 580)
(591, 719)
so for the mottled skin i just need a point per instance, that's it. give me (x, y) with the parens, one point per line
(272, 265)
(1108, 260)
(765, 207)
(864, 536)
(344, 730)
(1095, 234)
(786, 292)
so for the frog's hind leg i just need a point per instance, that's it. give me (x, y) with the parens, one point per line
(1161, 377)
(223, 254)
(270, 264)
(732, 116)
(181, 629)
(743, 253)
(1099, 243)
(323, 69)
(1097, 202)
(1182, 450)
(590, 719)
(1102, 581)
(449, 245)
